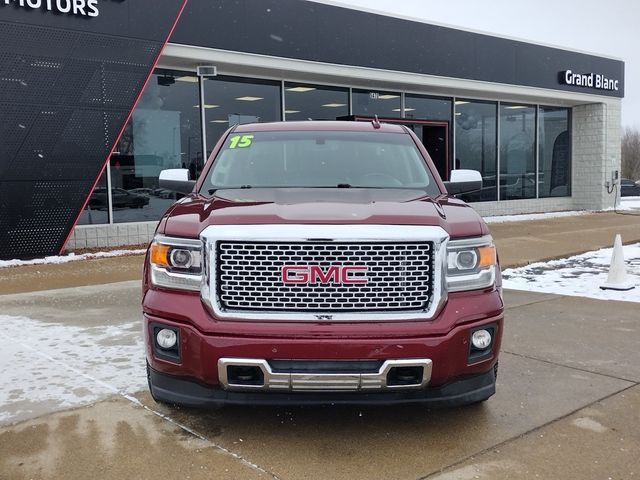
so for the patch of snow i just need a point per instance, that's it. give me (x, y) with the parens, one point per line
(52, 366)
(626, 203)
(629, 203)
(580, 275)
(587, 423)
(534, 216)
(72, 257)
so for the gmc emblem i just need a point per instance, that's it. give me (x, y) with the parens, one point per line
(310, 274)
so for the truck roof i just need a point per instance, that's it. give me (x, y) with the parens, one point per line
(311, 125)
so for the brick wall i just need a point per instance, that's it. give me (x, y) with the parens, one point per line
(103, 236)
(596, 153)
(534, 205)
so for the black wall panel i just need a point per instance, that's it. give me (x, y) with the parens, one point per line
(67, 85)
(331, 34)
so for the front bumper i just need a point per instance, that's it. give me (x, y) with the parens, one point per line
(191, 393)
(193, 378)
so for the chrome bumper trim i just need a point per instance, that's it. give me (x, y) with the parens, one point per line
(330, 382)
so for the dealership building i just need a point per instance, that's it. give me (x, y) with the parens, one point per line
(98, 96)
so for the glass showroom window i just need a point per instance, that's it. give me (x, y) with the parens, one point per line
(375, 102)
(234, 100)
(433, 128)
(476, 140)
(164, 132)
(427, 108)
(97, 208)
(517, 152)
(554, 170)
(315, 102)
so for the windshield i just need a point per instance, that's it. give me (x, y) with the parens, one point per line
(320, 159)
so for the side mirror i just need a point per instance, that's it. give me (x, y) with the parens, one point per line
(177, 180)
(463, 181)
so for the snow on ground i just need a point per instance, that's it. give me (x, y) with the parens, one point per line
(628, 203)
(534, 216)
(580, 275)
(50, 366)
(72, 257)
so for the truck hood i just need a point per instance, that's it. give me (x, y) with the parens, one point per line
(271, 206)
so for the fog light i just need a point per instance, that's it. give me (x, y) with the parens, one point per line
(166, 338)
(481, 339)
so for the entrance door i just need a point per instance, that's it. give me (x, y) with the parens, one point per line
(433, 134)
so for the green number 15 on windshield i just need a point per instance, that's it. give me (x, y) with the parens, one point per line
(240, 141)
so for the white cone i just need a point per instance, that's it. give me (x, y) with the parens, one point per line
(617, 279)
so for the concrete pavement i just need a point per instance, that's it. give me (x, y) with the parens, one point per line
(568, 391)
(32, 278)
(521, 243)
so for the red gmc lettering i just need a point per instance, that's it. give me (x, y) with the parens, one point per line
(314, 274)
(354, 280)
(292, 274)
(317, 276)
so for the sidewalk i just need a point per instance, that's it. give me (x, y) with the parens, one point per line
(519, 243)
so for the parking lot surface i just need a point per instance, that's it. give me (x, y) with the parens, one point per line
(568, 401)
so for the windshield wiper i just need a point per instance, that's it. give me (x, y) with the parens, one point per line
(243, 187)
(339, 185)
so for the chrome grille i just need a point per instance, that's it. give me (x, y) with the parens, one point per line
(250, 276)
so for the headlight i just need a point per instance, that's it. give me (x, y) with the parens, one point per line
(471, 264)
(176, 263)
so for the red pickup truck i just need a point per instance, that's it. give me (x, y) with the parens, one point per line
(321, 262)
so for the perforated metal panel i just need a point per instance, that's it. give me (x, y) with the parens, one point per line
(71, 144)
(38, 224)
(67, 86)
